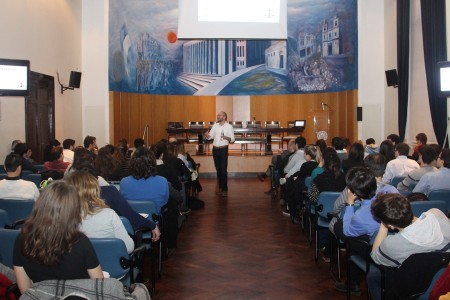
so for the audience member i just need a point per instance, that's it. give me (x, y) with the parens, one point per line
(90, 143)
(320, 163)
(52, 143)
(69, 146)
(14, 144)
(355, 158)
(322, 144)
(427, 157)
(394, 138)
(371, 147)
(331, 180)
(295, 185)
(401, 165)
(107, 166)
(439, 180)
(50, 245)
(421, 140)
(56, 162)
(339, 146)
(426, 233)
(145, 185)
(297, 159)
(27, 162)
(12, 187)
(387, 149)
(98, 220)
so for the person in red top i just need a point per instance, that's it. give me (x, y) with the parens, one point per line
(57, 164)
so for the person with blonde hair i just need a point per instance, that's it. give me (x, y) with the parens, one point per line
(51, 245)
(98, 220)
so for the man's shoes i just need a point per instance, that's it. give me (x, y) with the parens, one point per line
(224, 194)
(342, 287)
(286, 212)
(262, 177)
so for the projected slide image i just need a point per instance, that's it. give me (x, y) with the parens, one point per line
(13, 77)
(445, 79)
(251, 11)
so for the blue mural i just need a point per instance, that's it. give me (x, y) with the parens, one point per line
(145, 55)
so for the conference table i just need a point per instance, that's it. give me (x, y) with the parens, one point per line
(264, 132)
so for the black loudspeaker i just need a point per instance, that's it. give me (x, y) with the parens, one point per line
(359, 113)
(75, 79)
(392, 77)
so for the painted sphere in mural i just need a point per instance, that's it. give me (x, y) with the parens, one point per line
(172, 37)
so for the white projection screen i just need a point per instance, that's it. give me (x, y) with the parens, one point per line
(232, 19)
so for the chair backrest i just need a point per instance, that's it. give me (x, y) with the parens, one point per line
(236, 124)
(443, 195)
(272, 124)
(25, 173)
(396, 180)
(257, 124)
(325, 204)
(126, 223)
(113, 256)
(7, 240)
(308, 182)
(144, 206)
(196, 124)
(4, 218)
(418, 207)
(174, 125)
(17, 209)
(35, 178)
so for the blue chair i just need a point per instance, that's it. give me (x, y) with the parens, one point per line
(418, 207)
(2, 169)
(4, 219)
(25, 173)
(35, 178)
(396, 180)
(443, 195)
(114, 258)
(3, 176)
(7, 240)
(324, 206)
(17, 209)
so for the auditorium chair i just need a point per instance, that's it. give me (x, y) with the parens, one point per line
(290, 135)
(193, 137)
(277, 137)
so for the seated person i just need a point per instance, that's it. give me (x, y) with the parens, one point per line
(401, 165)
(427, 158)
(355, 158)
(145, 185)
(426, 233)
(371, 147)
(50, 245)
(98, 220)
(27, 162)
(439, 180)
(12, 187)
(69, 146)
(297, 159)
(339, 145)
(57, 162)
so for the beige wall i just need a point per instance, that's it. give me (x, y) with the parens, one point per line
(48, 33)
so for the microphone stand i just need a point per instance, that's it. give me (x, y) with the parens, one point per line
(145, 135)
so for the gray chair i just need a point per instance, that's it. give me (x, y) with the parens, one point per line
(193, 137)
(290, 136)
(276, 138)
(180, 137)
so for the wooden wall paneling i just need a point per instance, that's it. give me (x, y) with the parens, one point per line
(124, 128)
(115, 113)
(207, 108)
(160, 117)
(176, 108)
(135, 128)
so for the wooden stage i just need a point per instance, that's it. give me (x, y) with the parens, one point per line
(240, 163)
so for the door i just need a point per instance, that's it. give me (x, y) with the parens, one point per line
(40, 113)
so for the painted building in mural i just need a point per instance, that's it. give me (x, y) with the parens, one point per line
(331, 37)
(307, 44)
(276, 57)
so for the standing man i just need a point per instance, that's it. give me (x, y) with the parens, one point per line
(222, 134)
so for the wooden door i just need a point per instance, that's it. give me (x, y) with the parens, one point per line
(40, 113)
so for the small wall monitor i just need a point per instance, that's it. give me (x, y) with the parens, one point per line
(444, 78)
(14, 77)
(299, 123)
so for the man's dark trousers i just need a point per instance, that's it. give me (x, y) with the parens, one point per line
(220, 156)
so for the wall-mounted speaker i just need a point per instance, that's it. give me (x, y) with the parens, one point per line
(359, 113)
(75, 79)
(392, 78)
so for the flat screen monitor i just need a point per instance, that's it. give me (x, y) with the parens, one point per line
(444, 78)
(299, 123)
(14, 77)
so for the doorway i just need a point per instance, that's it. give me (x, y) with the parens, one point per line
(40, 114)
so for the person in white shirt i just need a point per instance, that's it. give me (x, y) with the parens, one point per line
(68, 145)
(12, 187)
(296, 160)
(401, 165)
(222, 134)
(98, 220)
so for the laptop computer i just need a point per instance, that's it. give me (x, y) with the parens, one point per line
(299, 123)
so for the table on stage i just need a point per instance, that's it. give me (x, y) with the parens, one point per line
(249, 130)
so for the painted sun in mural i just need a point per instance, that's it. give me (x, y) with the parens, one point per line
(172, 37)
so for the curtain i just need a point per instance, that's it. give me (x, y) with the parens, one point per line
(435, 50)
(403, 16)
